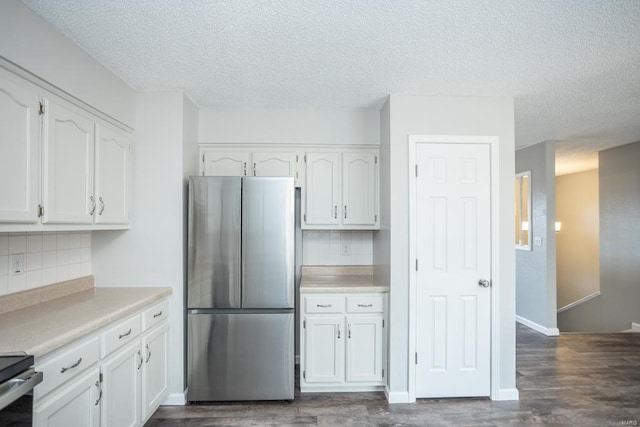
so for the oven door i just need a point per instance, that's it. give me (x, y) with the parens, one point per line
(16, 398)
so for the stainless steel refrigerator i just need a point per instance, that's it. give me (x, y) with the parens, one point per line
(240, 289)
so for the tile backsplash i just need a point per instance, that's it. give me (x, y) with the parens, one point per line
(49, 257)
(337, 247)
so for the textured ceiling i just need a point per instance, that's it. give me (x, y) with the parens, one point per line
(573, 67)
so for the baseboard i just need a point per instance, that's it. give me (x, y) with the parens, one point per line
(550, 332)
(175, 399)
(396, 396)
(507, 394)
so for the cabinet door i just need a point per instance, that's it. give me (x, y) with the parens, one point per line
(324, 349)
(218, 163)
(121, 387)
(359, 188)
(68, 164)
(155, 370)
(275, 164)
(364, 349)
(322, 189)
(75, 405)
(113, 154)
(19, 149)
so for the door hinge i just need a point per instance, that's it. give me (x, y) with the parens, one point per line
(383, 323)
(40, 211)
(305, 217)
(376, 160)
(41, 109)
(305, 158)
(416, 264)
(416, 357)
(416, 170)
(304, 324)
(383, 373)
(304, 374)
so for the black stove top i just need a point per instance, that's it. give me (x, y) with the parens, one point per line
(10, 366)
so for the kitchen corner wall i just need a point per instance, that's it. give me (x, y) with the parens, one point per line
(337, 247)
(50, 257)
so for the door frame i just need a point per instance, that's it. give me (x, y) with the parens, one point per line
(493, 143)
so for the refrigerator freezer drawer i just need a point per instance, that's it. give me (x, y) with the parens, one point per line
(245, 356)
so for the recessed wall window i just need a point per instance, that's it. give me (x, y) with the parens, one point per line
(523, 210)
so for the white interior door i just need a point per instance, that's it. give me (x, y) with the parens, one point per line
(453, 252)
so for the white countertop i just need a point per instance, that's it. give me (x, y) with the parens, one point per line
(41, 328)
(339, 279)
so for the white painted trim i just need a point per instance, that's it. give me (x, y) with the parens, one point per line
(550, 332)
(175, 399)
(396, 396)
(50, 87)
(635, 327)
(578, 302)
(507, 394)
(496, 281)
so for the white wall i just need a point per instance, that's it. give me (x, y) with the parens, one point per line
(151, 253)
(288, 126)
(578, 243)
(406, 115)
(30, 42)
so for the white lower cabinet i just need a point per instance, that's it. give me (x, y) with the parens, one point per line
(76, 404)
(122, 388)
(343, 345)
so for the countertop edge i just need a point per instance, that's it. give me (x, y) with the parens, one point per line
(58, 341)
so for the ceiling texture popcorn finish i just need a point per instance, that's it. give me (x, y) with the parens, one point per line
(571, 66)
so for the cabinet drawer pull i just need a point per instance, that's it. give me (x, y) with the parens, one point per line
(158, 314)
(254, 169)
(244, 168)
(148, 354)
(335, 212)
(126, 334)
(345, 211)
(99, 385)
(365, 305)
(349, 331)
(101, 205)
(75, 365)
(93, 205)
(338, 331)
(141, 359)
(323, 305)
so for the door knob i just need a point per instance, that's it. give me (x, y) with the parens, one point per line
(484, 283)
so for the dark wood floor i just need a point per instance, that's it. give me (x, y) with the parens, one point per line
(571, 380)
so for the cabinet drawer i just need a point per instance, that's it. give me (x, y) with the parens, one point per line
(67, 365)
(324, 304)
(365, 304)
(120, 334)
(154, 315)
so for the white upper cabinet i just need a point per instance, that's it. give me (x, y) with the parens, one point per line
(341, 190)
(63, 165)
(359, 184)
(322, 189)
(225, 163)
(112, 162)
(19, 149)
(68, 164)
(274, 164)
